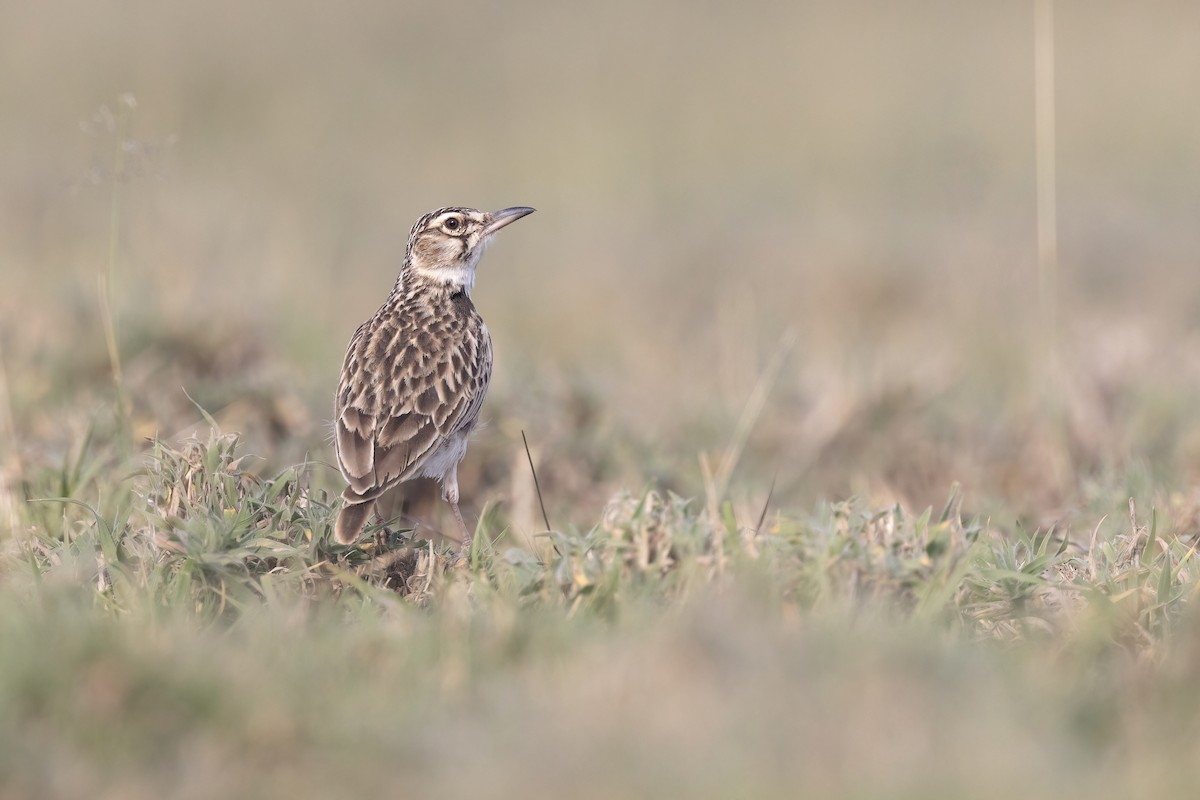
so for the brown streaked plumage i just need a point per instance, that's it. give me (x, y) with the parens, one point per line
(416, 372)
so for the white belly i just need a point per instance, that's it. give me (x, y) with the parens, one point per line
(445, 457)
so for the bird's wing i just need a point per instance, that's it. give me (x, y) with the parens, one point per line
(409, 382)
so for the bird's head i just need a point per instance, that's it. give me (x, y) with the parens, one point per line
(445, 245)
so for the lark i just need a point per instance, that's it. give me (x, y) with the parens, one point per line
(416, 372)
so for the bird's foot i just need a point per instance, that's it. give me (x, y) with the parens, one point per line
(464, 551)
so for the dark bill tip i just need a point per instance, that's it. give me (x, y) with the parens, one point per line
(506, 216)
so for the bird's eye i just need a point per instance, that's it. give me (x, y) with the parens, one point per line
(452, 223)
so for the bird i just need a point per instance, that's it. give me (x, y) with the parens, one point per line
(415, 374)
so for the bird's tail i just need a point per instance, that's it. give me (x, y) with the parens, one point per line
(350, 521)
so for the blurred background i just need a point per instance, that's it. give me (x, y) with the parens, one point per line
(801, 234)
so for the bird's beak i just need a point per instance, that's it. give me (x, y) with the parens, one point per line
(505, 216)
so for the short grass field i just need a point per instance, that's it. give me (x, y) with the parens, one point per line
(832, 487)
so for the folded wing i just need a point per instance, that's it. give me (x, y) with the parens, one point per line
(409, 382)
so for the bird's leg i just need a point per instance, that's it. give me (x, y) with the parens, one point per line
(450, 493)
(380, 537)
(466, 535)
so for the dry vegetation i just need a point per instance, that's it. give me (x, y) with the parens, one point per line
(837, 510)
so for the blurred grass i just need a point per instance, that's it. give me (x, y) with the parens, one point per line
(711, 181)
(198, 635)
